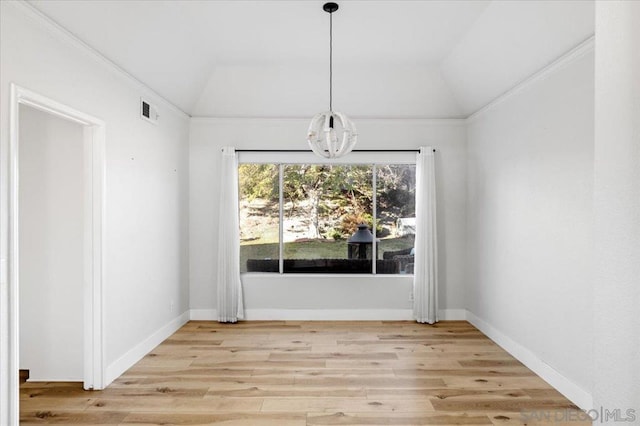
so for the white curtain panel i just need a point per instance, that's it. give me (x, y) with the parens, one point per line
(230, 303)
(425, 279)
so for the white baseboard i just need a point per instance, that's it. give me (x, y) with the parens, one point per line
(573, 392)
(37, 378)
(328, 314)
(312, 314)
(126, 361)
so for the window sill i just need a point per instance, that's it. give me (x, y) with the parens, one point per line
(303, 275)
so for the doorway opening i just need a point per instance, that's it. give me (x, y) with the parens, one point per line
(51, 247)
(86, 246)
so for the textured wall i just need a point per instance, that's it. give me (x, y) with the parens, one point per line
(530, 219)
(616, 339)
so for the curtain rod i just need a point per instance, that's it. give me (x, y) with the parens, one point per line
(308, 150)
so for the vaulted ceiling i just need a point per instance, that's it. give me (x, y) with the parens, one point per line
(435, 59)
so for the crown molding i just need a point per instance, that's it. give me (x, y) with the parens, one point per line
(70, 38)
(305, 120)
(567, 58)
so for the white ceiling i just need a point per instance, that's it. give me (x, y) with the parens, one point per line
(270, 58)
(510, 41)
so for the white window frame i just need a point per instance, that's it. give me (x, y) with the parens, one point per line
(282, 159)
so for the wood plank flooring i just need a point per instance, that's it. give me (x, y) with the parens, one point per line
(312, 373)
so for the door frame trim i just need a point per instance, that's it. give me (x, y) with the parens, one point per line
(93, 285)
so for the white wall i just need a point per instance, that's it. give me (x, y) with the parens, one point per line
(530, 220)
(617, 207)
(51, 247)
(274, 292)
(146, 220)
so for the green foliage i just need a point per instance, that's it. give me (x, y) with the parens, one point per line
(330, 191)
(258, 181)
(396, 191)
(334, 198)
(350, 223)
(336, 234)
(330, 182)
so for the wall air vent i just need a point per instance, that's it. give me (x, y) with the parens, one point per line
(148, 111)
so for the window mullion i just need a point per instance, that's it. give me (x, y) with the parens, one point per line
(281, 220)
(374, 246)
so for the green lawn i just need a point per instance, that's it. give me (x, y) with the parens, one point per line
(314, 249)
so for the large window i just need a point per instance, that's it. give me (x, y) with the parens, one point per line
(319, 218)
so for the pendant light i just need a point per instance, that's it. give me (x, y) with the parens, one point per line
(331, 134)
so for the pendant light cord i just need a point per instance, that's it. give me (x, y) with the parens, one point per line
(331, 61)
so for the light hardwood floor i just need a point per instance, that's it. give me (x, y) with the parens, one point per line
(313, 373)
